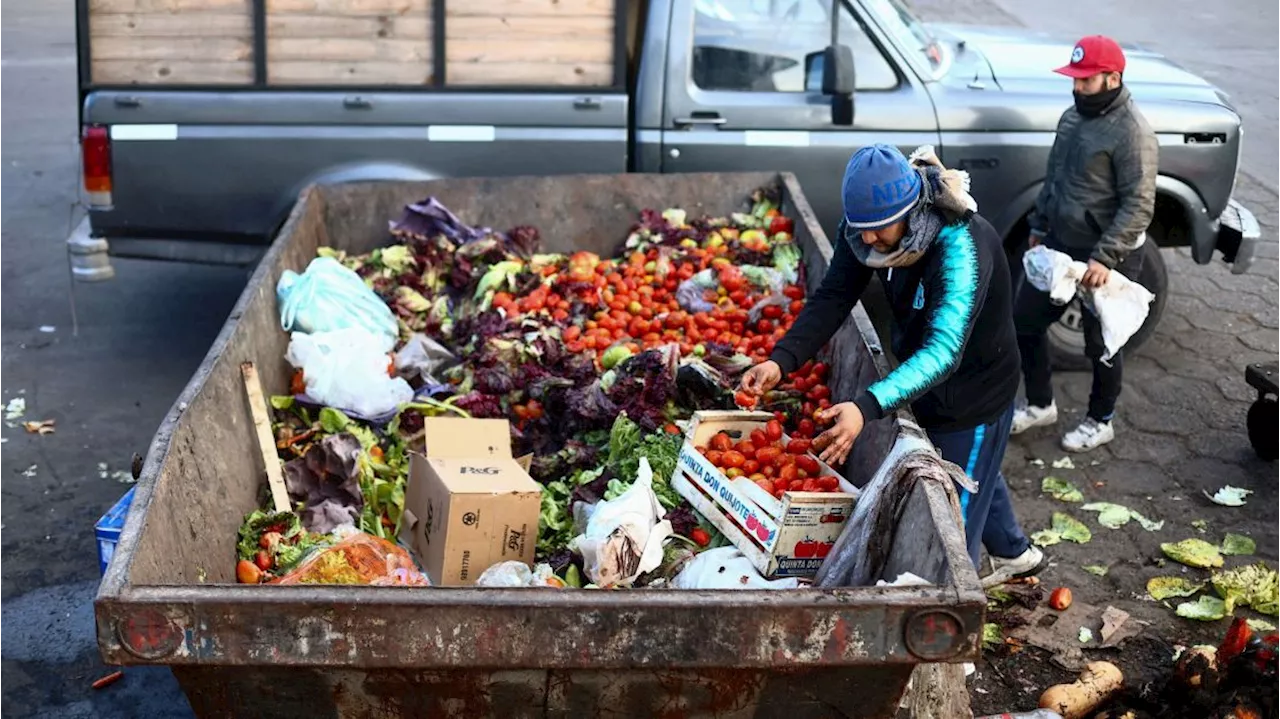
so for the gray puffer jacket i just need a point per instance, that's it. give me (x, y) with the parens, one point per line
(1100, 189)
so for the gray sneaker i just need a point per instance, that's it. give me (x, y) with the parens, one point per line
(1027, 564)
(1091, 434)
(1026, 416)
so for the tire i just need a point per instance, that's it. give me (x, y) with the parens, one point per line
(1263, 426)
(1066, 338)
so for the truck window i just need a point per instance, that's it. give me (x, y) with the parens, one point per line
(759, 45)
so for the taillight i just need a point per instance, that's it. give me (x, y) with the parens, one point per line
(95, 150)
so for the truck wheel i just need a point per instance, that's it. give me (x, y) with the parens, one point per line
(1066, 336)
(1264, 423)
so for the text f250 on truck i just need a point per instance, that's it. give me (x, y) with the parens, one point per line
(202, 120)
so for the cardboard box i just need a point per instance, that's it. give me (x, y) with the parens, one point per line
(788, 538)
(469, 504)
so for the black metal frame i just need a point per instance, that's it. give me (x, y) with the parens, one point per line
(260, 42)
(438, 80)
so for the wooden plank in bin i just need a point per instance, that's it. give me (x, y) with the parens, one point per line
(171, 42)
(336, 42)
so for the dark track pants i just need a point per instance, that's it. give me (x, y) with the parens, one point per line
(988, 515)
(1034, 313)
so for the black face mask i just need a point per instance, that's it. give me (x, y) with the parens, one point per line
(1095, 105)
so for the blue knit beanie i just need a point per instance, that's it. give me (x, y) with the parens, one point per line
(879, 187)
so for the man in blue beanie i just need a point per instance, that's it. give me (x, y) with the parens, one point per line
(914, 224)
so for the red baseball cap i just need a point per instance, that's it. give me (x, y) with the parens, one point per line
(1092, 55)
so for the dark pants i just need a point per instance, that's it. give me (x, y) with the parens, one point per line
(988, 515)
(1034, 313)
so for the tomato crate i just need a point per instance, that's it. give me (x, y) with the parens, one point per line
(782, 538)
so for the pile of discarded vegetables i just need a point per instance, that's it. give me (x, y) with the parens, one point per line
(489, 326)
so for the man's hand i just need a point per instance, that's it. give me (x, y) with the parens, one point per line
(836, 442)
(1096, 276)
(762, 378)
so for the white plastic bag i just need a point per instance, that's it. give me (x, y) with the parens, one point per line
(624, 536)
(329, 296)
(347, 369)
(517, 574)
(1053, 272)
(726, 568)
(1121, 304)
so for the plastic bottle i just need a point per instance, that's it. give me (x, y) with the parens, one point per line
(1037, 714)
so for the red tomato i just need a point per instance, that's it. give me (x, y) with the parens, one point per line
(700, 536)
(744, 399)
(759, 438)
(806, 426)
(828, 483)
(721, 441)
(787, 475)
(809, 485)
(820, 369)
(771, 312)
(798, 446)
(764, 327)
(715, 456)
(795, 307)
(819, 392)
(733, 459)
(765, 484)
(794, 292)
(768, 456)
(772, 431)
(751, 466)
(733, 472)
(808, 463)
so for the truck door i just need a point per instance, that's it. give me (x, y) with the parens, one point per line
(736, 94)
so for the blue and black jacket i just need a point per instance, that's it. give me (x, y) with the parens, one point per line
(952, 328)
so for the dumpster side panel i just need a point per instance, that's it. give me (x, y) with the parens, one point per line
(585, 694)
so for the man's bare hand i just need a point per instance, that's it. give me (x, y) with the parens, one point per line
(836, 442)
(762, 378)
(1096, 276)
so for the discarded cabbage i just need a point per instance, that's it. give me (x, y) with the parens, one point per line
(1193, 553)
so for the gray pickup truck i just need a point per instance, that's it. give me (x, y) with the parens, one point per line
(207, 173)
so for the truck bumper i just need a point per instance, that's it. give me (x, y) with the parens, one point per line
(90, 256)
(1238, 237)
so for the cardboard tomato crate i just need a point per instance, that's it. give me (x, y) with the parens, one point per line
(787, 538)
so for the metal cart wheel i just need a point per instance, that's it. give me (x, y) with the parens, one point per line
(1263, 421)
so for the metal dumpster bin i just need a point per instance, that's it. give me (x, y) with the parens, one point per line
(169, 596)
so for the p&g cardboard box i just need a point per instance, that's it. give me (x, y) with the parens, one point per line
(469, 504)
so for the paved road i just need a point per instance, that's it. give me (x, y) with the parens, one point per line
(142, 335)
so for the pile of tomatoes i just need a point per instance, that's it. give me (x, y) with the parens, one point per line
(776, 465)
(632, 301)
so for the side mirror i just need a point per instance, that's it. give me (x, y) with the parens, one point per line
(830, 71)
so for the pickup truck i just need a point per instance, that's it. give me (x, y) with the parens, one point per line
(202, 120)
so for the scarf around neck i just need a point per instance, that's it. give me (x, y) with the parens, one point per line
(944, 198)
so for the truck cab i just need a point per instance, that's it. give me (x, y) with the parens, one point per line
(187, 161)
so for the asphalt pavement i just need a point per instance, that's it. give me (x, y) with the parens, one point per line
(142, 335)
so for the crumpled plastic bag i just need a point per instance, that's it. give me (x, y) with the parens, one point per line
(1121, 304)
(422, 356)
(347, 369)
(623, 537)
(861, 553)
(726, 568)
(689, 292)
(358, 559)
(329, 296)
(515, 573)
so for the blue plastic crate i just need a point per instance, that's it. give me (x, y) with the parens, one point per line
(108, 529)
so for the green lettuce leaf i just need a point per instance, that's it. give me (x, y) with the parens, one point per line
(1161, 588)
(1204, 609)
(1234, 544)
(1097, 570)
(1254, 585)
(1061, 490)
(1070, 528)
(1193, 553)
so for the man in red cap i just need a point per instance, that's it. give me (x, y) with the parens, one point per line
(1097, 201)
